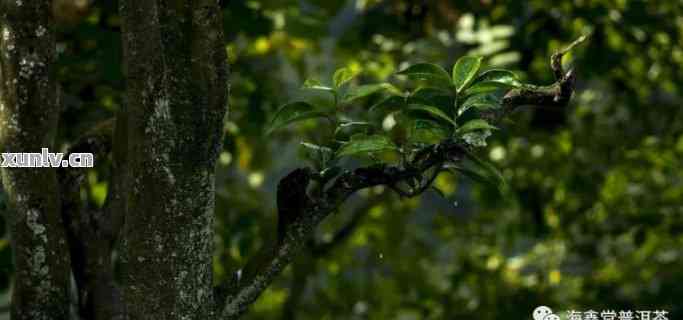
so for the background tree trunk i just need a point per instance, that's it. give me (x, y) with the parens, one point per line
(29, 114)
(177, 98)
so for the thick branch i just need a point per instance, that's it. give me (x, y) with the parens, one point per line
(557, 94)
(310, 213)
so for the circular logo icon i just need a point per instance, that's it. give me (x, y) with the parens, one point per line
(540, 313)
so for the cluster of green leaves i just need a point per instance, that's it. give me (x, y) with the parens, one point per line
(325, 155)
(443, 106)
(450, 106)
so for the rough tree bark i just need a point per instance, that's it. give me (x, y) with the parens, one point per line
(29, 114)
(177, 98)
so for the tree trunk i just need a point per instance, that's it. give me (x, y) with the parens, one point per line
(177, 98)
(29, 114)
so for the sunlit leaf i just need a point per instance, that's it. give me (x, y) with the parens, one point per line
(434, 111)
(342, 76)
(366, 144)
(356, 124)
(485, 87)
(472, 125)
(429, 93)
(428, 71)
(312, 84)
(499, 76)
(315, 147)
(481, 101)
(319, 154)
(432, 96)
(390, 104)
(427, 131)
(494, 80)
(353, 126)
(464, 71)
(330, 173)
(366, 90)
(293, 112)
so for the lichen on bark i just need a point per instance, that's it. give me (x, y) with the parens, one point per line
(28, 120)
(177, 99)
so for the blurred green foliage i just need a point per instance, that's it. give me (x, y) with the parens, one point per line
(592, 216)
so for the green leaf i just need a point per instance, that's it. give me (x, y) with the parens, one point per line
(485, 87)
(321, 155)
(472, 125)
(500, 76)
(312, 84)
(352, 126)
(366, 90)
(428, 93)
(434, 111)
(356, 123)
(329, 173)
(491, 173)
(428, 71)
(481, 102)
(427, 131)
(342, 76)
(293, 112)
(433, 97)
(464, 71)
(390, 104)
(494, 80)
(366, 144)
(315, 147)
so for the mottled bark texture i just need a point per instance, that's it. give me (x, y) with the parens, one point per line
(28, 120)
(176, 100)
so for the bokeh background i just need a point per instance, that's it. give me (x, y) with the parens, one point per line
(593, 217)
